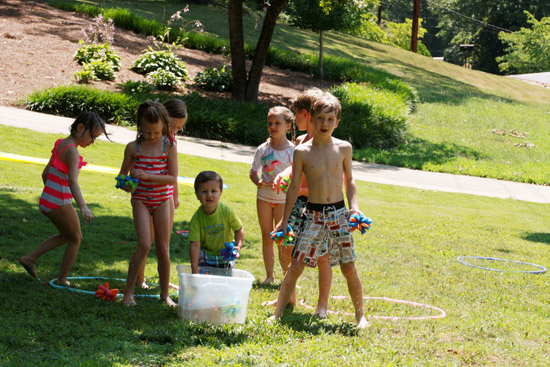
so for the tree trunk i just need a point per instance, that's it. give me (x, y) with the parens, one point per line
(321, 54)
(262, 47)
(238, 57)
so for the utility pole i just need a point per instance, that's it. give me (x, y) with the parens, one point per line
(414, 35)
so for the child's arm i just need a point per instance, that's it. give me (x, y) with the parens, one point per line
(128, 162)
(176, 195)
(169, 179)
(45, 172)
(349, 182)
(293, 189)
(194, 250)
(258, 181)
(73, 159)
(239, 238)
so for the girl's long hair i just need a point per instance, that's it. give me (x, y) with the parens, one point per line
(152, 112)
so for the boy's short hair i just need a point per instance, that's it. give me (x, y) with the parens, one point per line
(306, 100)
(327, 102)
(206, 176)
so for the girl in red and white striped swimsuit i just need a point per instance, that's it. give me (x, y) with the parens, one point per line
(152, 158)
(60, 186)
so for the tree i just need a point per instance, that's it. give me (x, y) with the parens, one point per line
(246, 88)
(479, 22)
(325, 15)
(528, 50)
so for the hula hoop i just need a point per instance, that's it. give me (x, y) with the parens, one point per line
(541, 271)
(70, 289)
(442, 313)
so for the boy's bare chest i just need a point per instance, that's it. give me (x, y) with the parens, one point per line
(318, 162)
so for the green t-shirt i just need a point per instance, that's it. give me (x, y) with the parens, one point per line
(214, 229)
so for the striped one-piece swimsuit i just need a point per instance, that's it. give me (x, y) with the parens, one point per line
(150, 193)
(56, 191)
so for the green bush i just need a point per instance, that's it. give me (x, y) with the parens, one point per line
(160, 60)
(164, 79)
(71, 100)
(88, 52)
(214, 79)
(370, 117)
(236, 122)
(136, 88)
(85, 76)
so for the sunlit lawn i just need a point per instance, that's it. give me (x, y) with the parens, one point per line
(409, 254)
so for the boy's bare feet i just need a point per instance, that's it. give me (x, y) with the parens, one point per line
(29, 267)
(362, 323)
(173, 286)
(268, 281)
(272, 319)
(128, 301)
(169, 302)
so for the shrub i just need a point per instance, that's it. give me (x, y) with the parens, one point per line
(214, 79)
(237, 122)
(85, 76)
(164, 79)
(370, 117)
(133, 87)
(103, 52)
(161, 59)
(71, 100)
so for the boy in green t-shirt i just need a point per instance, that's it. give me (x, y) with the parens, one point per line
(212, 225)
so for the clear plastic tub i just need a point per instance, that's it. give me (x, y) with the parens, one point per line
(219, 296)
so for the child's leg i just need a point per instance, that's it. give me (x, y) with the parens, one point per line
(287, 287)
(265, 217)
(162, 223)
(284, 252)
(65, 219)
(325, 281)
(355, 291)
(140, 282)
(142, 222)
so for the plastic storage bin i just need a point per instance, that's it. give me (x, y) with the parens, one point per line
(220, 296)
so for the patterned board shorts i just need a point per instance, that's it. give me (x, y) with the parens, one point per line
(214, 261)
(297, 218)
(325, 231)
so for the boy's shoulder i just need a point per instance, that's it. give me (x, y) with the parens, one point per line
(341, 143)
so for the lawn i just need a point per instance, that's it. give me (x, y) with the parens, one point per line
(452, 127)
(493, 318)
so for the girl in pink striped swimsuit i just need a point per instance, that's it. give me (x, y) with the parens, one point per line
(60, 186)
(152, 158)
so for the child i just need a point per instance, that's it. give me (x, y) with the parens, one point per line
(177, 112)
(302, 106)
(151, 158)
(60, 177)
(271, 158)
(212, 225)
(326, 162)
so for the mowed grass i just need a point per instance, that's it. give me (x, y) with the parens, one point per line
(451, 129)
(409, 254)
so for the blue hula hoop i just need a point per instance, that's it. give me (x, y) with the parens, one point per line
(541, 271)
(70, 289)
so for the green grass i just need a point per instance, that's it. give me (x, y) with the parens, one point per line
(457, 109)
(409, 253)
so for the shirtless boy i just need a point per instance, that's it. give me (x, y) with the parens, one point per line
(326, 163)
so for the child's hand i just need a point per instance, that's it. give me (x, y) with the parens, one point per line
(281, 182)
(261, 183)
(176, 203)
(86, 214)
(355, 211)
(140, 174)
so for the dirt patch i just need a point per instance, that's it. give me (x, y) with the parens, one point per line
(38, 43)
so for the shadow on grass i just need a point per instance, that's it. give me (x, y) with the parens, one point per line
(416, 153)
(538, 237)
(270, 287)
(305, 322)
